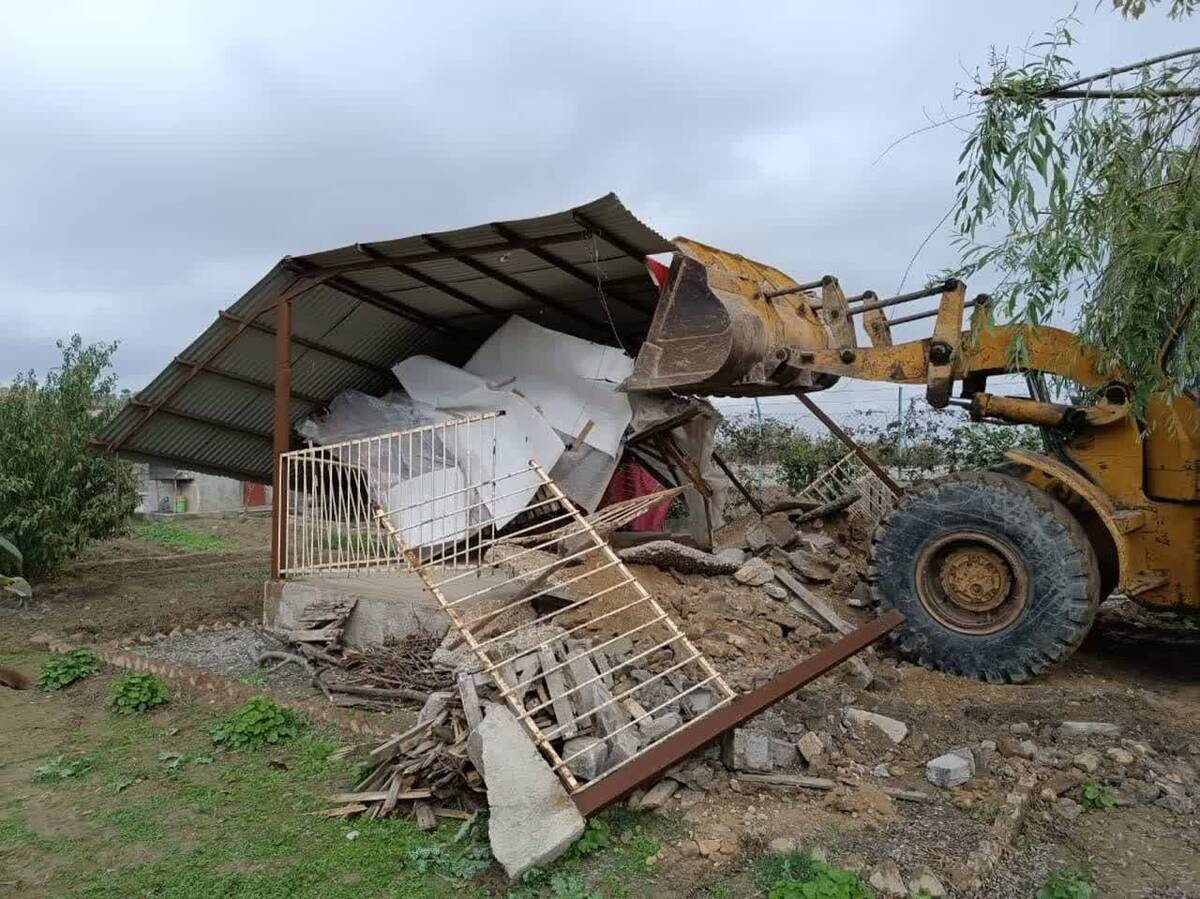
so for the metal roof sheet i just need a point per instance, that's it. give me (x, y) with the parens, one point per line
(441, 294)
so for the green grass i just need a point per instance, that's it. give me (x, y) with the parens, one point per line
(159, 813)
(177, 536)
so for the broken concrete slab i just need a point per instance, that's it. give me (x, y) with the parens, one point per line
(812, 567)
(894, 730)
(677, 557)
(811, 749)
(659, 726)
(783, 753)
(754, 573)
(951, 770)
(532, 820)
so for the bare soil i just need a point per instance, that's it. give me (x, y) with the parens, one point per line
(1136, 670)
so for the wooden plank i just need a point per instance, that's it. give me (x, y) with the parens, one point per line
(818, 606)
(342, 812)
(380, 796)
(564, 711)
(789, 780)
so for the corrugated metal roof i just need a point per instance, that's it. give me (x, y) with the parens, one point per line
(440, 294)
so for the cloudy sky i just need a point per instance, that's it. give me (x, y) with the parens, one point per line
(156, 158)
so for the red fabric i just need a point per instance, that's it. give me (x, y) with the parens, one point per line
(632, 480)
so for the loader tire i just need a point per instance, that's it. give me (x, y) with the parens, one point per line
(995, 578)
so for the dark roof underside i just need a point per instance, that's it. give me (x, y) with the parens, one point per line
(211, 409)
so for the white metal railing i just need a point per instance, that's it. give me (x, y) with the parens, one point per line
(571, 639)
(846, 475)
(430, 484)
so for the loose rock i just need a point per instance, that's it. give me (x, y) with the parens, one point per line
(894, 730)
(952, 769)
(886, 880)
(754, 573)
(924, 881)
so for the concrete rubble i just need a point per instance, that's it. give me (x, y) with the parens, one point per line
(677, 557)
(532, 819)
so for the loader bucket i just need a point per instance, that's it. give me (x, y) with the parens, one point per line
(715, 331)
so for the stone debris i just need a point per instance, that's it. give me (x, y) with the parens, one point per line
(885, 879)
(894, 730)
(811, 749)
(592, 759)
(1087, 761)
(924, 882)
(951, 770)
(657, 796)
(668, 554)
(532, 819)
(754, 573)
(746, 750)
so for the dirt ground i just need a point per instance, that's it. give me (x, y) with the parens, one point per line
(1135, 671)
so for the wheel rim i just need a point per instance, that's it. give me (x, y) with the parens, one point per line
(972, 582)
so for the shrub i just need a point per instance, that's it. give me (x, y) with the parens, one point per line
(260, 722)
(804, 457)
(64, 668)
(56, 495)
(137, 692)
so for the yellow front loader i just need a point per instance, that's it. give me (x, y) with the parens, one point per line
(998, 573)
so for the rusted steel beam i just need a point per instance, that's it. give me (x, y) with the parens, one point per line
(202, 420)
(313, 345)
(282, 441)
(522, 288)
(579, 274)
(299, 286)
(244, 474)
(863, 456)
(245, 379)
(737, 483)
(604, 792)
(448, 289)
(371, 297)
(447, 253)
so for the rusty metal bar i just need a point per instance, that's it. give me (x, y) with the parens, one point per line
(297, 287)
(244, 474)
(202, 420)
(799, 288)
(573, 270)
(375, 298)
(313, 345)
(863, 455)
(448, 289)
(448, 253)
(737, 483)
(282, 441)
(198, 366)
(643, 768)
(522, 288)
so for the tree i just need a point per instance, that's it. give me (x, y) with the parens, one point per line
(1089, 186)
(56, 495)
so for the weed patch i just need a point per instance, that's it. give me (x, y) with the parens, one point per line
(65, 668)
(176, 536)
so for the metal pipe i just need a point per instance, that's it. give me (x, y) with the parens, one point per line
(799, 288)
(901, 298)
(929, 313)
(282, 434)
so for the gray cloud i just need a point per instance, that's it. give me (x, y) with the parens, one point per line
(157, 158)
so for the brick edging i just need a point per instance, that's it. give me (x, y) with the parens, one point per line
(206, 682)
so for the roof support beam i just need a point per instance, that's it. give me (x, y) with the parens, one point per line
(307, 344)
(608, 237)
(520, 287)
(300, 285)
(440, 286)
(203, 420)
(446, 252)
(592, 280)
(190, 464)
(370, 296)
(267, 386)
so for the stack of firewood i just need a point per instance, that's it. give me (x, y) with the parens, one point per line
(426, 770)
